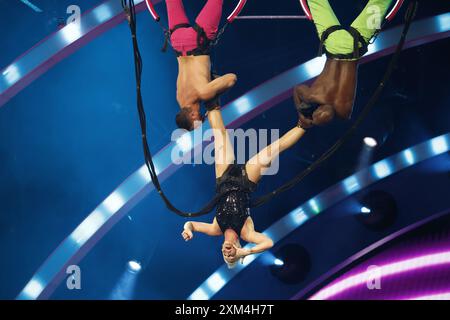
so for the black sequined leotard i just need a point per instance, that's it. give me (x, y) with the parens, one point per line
(233, 207)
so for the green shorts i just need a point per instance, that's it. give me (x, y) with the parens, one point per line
(341, 42)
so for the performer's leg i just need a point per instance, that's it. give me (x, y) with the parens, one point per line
(175, 12)
(184, 39)
(209, 17)
(370, 19)
(259, 163)
(340, 41)
(323, 15)
(223, 149)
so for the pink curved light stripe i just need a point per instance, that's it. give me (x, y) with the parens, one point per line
(152, 10)
(402, 266)
(305, 8)
(237, 10)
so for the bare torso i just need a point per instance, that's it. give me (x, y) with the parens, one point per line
(194, 74)
(334, 87)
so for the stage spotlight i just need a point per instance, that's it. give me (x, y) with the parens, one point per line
(125, 286)
(268, 259)
(134, 266)
(278, 262)
(292, 265)
(365, 210)
(366, 154)
(382, 208)
(370, 142)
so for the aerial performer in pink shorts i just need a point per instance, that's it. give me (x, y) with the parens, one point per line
(191, 44)
(333, 92)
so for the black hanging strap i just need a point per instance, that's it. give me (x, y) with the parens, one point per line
(358, 51)
(168, 33)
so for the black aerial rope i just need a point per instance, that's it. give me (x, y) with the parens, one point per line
(409, 16)
(130, 11)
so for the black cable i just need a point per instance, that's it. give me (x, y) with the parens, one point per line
(130, 11)
(409, 16)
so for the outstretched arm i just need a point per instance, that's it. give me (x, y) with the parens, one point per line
(210, 229)
(223, 149)
(217, 86)
(259, 163)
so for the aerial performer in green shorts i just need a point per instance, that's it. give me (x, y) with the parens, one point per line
(333, 91)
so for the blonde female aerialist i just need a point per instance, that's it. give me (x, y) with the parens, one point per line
(236, 182)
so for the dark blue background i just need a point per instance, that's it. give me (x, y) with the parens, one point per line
(72, 136)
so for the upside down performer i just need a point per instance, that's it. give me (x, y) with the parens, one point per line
(235, 183)
(333, 91)
(192, 47)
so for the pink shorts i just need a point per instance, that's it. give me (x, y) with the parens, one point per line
(185, 40)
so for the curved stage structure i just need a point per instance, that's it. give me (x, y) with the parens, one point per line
(326, 199)
(307, 292)
(60, 44)
(396, 259)
(256, 101)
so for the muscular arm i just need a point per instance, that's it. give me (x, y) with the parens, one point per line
(217, 86)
